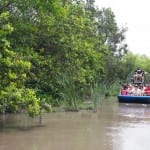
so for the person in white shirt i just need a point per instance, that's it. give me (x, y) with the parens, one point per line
(130, 89)
(138, 91)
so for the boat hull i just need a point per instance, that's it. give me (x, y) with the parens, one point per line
(134, 99)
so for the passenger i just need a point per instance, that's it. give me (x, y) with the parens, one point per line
(137, 91)
(124, 90)
(141, 90)
(139, 75)
(130, 89)
(134, 92)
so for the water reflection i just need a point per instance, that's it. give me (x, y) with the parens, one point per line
(134, 127)
(113, 127)
(135, 137)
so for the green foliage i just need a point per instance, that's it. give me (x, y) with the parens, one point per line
(120, 68)
(95, 95)
(132, 61)
(69, 92)
(14, 95)
(59, 48)
(15, 100)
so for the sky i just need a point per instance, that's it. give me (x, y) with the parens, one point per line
(135, 15)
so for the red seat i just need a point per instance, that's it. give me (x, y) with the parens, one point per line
(147, 91)
(124, 92)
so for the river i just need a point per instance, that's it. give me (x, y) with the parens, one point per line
(113, 127)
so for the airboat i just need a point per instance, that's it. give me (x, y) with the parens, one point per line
(131, 98)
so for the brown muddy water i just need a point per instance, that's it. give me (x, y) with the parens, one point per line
(113, 127)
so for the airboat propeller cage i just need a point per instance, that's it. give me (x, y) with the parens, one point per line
(130, 78)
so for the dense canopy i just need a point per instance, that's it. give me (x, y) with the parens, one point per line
(56, 50)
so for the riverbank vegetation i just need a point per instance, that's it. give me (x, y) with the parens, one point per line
(60, 53)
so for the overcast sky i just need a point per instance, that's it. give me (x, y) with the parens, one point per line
(135, 15)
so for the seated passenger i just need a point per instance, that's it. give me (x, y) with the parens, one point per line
(137, 91)
(130, 89)
(141, 91)
(124, 90)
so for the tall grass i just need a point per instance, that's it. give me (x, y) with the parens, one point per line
(69, 92)
(72, 97)
(103, 89)
(95, 96)
(113, 88)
